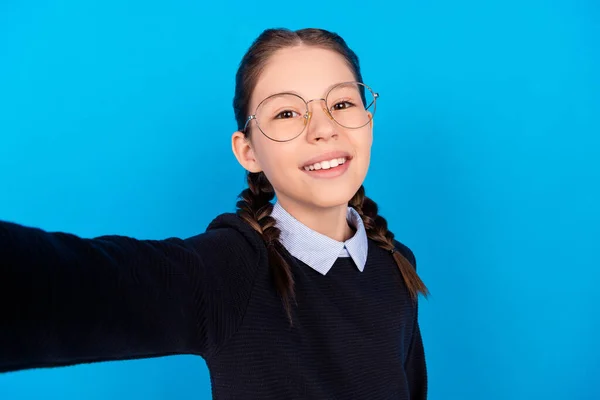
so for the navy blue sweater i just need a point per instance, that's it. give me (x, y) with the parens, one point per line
(67, 300)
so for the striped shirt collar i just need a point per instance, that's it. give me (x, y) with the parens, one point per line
(317, 250)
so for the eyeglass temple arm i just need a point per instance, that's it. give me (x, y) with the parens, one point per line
(375, 97)
(250, 118)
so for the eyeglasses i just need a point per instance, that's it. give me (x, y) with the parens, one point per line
(284, 116)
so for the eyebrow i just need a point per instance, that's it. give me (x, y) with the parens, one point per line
(298, 94)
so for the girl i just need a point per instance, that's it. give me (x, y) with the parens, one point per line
(309, 297)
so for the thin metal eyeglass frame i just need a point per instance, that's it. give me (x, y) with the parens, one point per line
(308, 114)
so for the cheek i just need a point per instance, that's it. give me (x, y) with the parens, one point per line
(277, 160)
(362, 142)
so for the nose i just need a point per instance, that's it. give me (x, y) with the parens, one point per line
(321, 126)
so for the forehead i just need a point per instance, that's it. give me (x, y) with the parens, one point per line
(308, 71)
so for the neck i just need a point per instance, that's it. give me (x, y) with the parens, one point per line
(329, 221)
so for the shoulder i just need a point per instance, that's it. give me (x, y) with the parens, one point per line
(229, 240)
(406, 252)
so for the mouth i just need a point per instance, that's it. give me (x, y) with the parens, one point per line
(328, 168)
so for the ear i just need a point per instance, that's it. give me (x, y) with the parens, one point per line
(370, 118)
(243, 151)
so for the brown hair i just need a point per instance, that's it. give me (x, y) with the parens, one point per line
(255, 205)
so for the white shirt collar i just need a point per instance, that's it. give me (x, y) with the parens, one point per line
(317, 250)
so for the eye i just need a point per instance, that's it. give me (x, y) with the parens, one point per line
(286, 114)
(342, 105)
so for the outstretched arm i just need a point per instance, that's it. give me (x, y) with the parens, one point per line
(66, 300)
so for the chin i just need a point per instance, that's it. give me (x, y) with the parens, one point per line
(332, 198)
(317, 193)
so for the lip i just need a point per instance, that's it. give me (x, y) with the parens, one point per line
(330, 155)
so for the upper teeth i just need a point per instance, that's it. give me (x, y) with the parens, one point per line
(326, 164)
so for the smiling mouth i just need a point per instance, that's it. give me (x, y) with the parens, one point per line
(328, 164)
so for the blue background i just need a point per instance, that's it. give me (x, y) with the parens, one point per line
(115, 117)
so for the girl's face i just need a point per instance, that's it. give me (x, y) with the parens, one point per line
(308, 72)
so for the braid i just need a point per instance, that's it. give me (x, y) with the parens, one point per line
(255, 208)
(376, 227)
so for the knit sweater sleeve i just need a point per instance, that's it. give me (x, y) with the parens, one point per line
(67, 300)
(416, 370)
(415, 365)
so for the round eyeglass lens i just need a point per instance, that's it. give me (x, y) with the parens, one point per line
(282, 117)
(352, 105)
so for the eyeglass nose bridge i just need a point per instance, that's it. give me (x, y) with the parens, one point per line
(309, 113)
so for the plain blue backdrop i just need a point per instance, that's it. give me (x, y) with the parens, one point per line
(116, 117)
